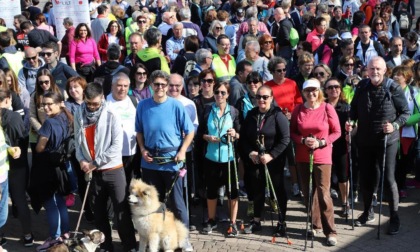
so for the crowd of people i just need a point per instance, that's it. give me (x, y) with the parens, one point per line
(227, 95)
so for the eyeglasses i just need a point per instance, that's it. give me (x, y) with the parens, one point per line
(162, 85)
(322, 74)
(43, 54)
(377, 7)
(209, 81)
(223, 93)
(379, 23)
(141, 21)
(49, 104)
(333, 87)
(264, 97)
(46, 82)
(141, 73)
(93, 104)
(281, 70)
(349, 65)
(31, 58)
(256, 81)
(114, 26)
(310, 90)
(268, 42)
(175, 85)
(82, 30)
(218, 28)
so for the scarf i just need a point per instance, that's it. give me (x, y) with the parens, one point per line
(90, 118)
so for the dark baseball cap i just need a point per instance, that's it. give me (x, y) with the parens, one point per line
(240, 12)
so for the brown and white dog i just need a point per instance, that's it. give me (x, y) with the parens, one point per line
(88, 243)
(157, 227)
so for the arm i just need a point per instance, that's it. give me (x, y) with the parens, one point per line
(95, 52)
(283, 138)
(415, 117)
(72, 54)
(114, 149)
(42, 143)
(33, 110)
(334, 125)
(401, 106)
(143, 151)
(170, 50)
(103, 44)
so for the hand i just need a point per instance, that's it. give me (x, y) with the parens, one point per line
(254, 157)
(231, 132)
(14, 152)
(388, 128)
(349, 126)
(87, 167)
(212, 139)
(180, 156)
(288, 115)
(146, 156)
(312, 142)
(266, 158)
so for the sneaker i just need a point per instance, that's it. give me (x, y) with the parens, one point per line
(253, 226)
(47, 244)
(394, 224)
(188, 247)
(280, 230)
(28, 240)
(365, 217)
(331, 240)
(295, 190)
(375, 199)
(242, 192)
(334, 193)
(250, 209)
(232, 230)
(70, 200)
(193, 228)
(403, 194)
(356, 196)
(345, 210)
(311, 233)
(210, 225)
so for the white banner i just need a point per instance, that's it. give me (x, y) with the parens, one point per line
(78, 10)
(9, 9)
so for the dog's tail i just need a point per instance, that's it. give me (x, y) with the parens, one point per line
(182, 233)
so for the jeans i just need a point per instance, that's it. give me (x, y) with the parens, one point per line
(72, 177)
(4, 207)
(57, 215)
(162, 180)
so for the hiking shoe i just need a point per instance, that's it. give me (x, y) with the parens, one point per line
(356, 197)
(334, 193)
(70, 200)
(365, 217)
(375, 200)
(280, 230)
(394, 224)
(345, 210)
(188, 247)
(250, 209)
(331, 240)
(210, 225)
(253, 226)
(232, 230)
(295, 190)
(28, 240)
(193, 228)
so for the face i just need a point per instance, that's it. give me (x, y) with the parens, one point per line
(398, 77)
(397, 46)
(193, 88)
(306, 69)
(365, 34)
(76, 91)
(50, 108)
(49, 55)
(348, 67)
(217, 30)
(207, 83)
(175, 86)
(322, 27)
(178, 31)
(253, 27)
(386, 16)
(253, 85)
(160, 86)
(16, 24)
(338, 13)
(279, 72)
(32, 58)
(264, 99)
(44, 82)
(141, 75)
(332, 88)
(377, 9)
(321, 74)
(311, 94)
(224, 46)
(277, 16)
(379, 25)
(135, 43)
(376, 71)
(250, 53)
(83, 32)
(142, 23)
(94, 104)
(120, 89)
(348, 50)
(221, 94)
(244, 74)
(114, 28)
(9, 81)
(267, 44)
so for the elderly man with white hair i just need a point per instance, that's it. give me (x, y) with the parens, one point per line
(189, 27)
(259, 64)
(251, 12)
(175, 43)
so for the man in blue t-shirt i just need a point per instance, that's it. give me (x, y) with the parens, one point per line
(164, 132)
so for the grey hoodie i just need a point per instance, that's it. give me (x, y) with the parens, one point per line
(27, 75)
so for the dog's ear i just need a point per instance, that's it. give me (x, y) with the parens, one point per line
(85, 232)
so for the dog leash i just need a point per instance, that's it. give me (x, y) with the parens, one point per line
(88, 178)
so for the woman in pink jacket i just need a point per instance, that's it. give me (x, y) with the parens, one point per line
(316, 36)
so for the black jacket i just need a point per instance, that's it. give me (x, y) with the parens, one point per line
(373, 105)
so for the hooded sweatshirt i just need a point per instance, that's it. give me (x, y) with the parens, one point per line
(61, 73)
(27, 75)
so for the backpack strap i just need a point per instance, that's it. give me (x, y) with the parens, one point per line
(133, 100)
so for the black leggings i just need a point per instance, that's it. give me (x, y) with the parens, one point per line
(216, 175)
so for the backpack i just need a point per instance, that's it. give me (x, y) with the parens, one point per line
(404, 21)
(293, 37)
(189, 66)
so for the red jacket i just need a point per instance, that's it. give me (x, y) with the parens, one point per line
(103, 46)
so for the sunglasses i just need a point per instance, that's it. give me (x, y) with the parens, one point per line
(333, 87)
(268, 42)
(43, 54)
(281, 70)
(141, 73)
(44, 82)
(31, 58)
(157, 84)
(349, 64)
(379, 23)
(93, 104)
(322, 74)
(218, 28)
(209, 81)
(310, 90)
(49, 104)
(299, 48)
(253, 81)
(264, 97)
(141, 21)
(223, 93)
(378, 8)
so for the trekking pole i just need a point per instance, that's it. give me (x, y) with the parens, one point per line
(229, 150)
(88, 178)
(351, 180)
(235, 167)
(309, 210)
(382, 186)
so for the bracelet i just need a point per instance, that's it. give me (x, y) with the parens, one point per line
(303, 140)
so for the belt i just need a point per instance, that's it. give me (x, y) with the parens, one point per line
(157, 151)
(110, 169)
